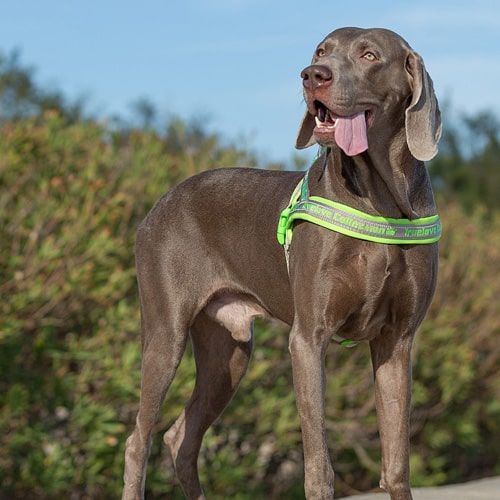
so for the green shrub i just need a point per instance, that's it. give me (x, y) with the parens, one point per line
(71, 197)
(457, 384)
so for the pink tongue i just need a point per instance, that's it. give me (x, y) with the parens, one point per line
(350, 134)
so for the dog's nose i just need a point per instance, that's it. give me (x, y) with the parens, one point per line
(316, 76)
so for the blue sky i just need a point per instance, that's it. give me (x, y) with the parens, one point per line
(235, 64)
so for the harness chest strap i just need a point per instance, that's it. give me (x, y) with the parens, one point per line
(351, 222)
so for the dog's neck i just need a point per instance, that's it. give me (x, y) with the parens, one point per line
(398, 186)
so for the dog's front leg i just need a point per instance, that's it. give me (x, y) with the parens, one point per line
(307, 355)
(392, 369)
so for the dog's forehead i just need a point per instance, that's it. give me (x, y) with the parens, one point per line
(347, 36)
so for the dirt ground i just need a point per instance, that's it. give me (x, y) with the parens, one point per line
(483, 489)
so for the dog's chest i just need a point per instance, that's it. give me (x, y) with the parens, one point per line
(362, 289)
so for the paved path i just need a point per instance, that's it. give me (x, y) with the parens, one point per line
(483, 489)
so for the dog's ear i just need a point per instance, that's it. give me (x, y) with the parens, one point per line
(305, 137)
(423, 118)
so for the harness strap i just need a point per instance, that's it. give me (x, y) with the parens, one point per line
(352, 222)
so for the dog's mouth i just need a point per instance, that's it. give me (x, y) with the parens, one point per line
(349, 132)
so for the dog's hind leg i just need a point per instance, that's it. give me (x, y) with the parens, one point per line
(165, 331)
(160, 360)
(221, 362)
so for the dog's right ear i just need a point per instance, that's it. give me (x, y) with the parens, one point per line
(305, 137)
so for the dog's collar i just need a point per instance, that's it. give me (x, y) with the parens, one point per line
(354, 223)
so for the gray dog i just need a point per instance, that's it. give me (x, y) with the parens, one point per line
(362, 264)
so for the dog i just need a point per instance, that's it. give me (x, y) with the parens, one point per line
(208, 263)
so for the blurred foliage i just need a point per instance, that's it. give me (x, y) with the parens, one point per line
(71, 197)
(72, 192)
(467, 168)
(21, 96)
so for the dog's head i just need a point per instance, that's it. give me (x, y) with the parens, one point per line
(363, 87)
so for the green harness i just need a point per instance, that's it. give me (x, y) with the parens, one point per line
(351, 222)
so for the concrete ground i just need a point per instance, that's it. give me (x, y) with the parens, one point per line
(482, 489)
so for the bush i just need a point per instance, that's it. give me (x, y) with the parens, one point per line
(456, 420)
(71, 198)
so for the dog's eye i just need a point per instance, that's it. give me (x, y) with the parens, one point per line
(321, 52)
(369, 56)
